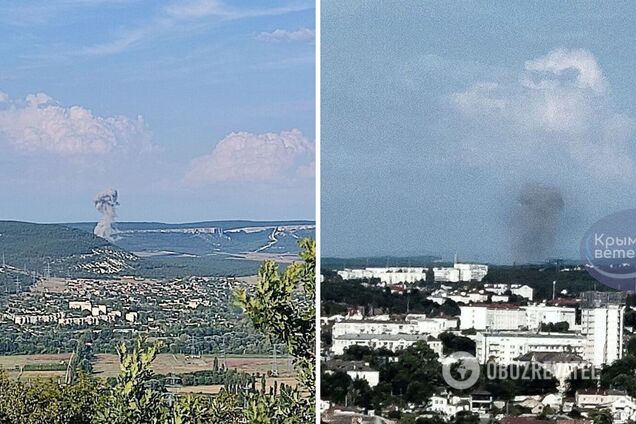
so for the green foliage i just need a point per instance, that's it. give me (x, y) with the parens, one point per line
(48, 402)
(555, 327)
(453, 343)
(133, 400)
(601, 416)
(337, 294)
(282, 307)
(334, 386)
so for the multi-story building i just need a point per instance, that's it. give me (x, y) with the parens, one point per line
(357, 370)
(542, 313)
(394, 275)
(506, 346)
(491, 316)
(446, 274)
(389, 275)
(504, 316)
(413, 324)
(524, 290)
(392, 342)
(471, 272)
(603, 327)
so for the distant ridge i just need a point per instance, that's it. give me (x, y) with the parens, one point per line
(225, 224)
(226, 238)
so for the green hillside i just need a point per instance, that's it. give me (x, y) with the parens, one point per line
(66, 251)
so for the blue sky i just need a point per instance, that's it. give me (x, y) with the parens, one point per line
(438, 119)
(193, 110)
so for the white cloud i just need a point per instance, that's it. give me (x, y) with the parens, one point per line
(177, 15)
(582, 62)
(559, 103)
(196, 9)
(250, 157)
(40, 125)
(279, 35)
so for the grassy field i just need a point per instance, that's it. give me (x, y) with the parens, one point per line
(107, 365)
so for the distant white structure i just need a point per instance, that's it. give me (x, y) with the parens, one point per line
(449, 404)
(621, 405)
(497, 317)
(603, 327)
(524, 290)
(131, 317)
(471, 272)
(390, 275)
(446, 274)
(542, 313)
(599, 342)
(491, 317)
(413, 324)
(505, 347)
(392, 342)
(81, 305)
(395, 275)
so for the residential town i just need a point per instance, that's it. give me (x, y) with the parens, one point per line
(569, 337)
(56, 310)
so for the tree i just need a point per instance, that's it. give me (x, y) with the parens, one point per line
(334, 386)
(414, 376)
(133, 400)
(601, 416)
(453, 343)
(283, 308)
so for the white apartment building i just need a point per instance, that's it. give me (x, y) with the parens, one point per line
(468, 297)
(357, 370)
(496, 317)
(34, 319)
(603, 327)
(393, 342)
(542, 313)
(506, 347)
(471, 272)
(524, 290)
(395, 275)
(446, 274)
(448, 404)
(81, 305)
(413, 324)
(491, 317)
(390, 275)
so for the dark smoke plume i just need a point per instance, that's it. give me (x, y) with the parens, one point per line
(105, 203)
(535, 222)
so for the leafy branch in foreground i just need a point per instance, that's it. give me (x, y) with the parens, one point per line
(282, 307)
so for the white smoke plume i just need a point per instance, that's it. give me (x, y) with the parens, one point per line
(106, 203)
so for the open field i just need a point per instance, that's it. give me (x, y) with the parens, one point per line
(107, 365)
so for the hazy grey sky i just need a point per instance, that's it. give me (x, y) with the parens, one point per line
(436, 115)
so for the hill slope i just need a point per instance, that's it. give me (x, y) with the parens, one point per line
(210, 238)
(36, 247)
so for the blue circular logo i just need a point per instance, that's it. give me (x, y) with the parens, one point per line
(608, 250)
